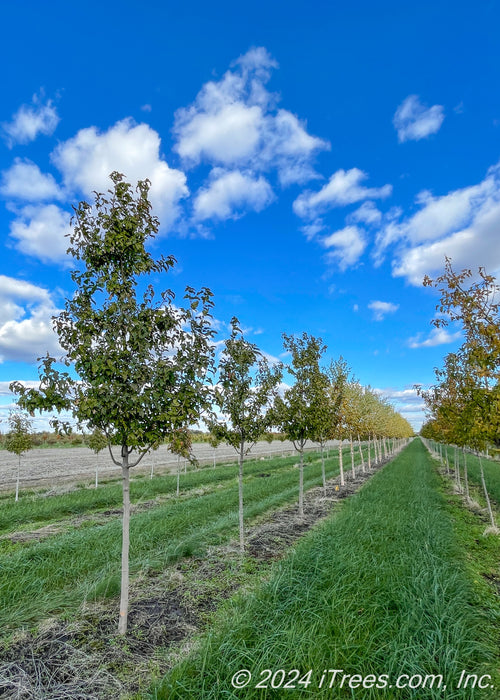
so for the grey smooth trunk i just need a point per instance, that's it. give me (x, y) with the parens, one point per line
(301, 484)
(240, 497)
(122, 622)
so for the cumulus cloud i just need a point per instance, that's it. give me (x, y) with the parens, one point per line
(41, 232)
(345, 246)
(462, 225)
(25, 321)
(342, 189)
(382, 308)
(438, 336)
(414, 121)
(234, 123)
(366, 214)
(87, 159)
(407, 402)
(24, 180)
(228, 193)
(40, 117)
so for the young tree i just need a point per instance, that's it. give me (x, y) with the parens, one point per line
(296, 413)
(244, 394)
(19, 439)
(97, 442)
(141, 361)
(338, 374)
(180, 445)
(325, 416)
(476, 306)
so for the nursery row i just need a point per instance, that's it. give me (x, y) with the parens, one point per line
(385, 599)
(80, 560)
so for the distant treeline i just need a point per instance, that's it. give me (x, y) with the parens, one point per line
(52, 439)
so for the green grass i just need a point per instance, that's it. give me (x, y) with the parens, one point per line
(33, 510)
(490, 467)
(383, 587)
(55, 575)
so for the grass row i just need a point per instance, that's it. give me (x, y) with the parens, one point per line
(57, 574)
(491, 471)
(383, 587)
(36, 509)
(33, 509)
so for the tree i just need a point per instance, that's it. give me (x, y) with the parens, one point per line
(475, 305)
(180, 445)
(19, 439)
(244, 394)
(338, 374)
(324, 417)
(464, 404)
(97, 442)
(141, 361)
(295, 413)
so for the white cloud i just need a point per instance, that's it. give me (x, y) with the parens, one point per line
(311, 230)
(347, 246)
(234, 122)
(288, 146)
(407, 402)
(228, 137)
(366, 214)
(30, 120)
(414, 121)
(228, 193)
(41, 232)
(438, 336)
(462, 225)
(24, 180)
(87, 159)
(25, 322)
(342, 189)
(382, 308)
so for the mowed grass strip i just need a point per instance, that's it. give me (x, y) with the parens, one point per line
(56, 575)
(382, 587)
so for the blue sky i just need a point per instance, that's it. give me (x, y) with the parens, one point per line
(310, 163)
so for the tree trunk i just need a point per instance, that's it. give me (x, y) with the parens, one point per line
(353, 470)
(178, 474)
(152, 467)
(18, 475)
(97, 469)
(122, 622)
(301, 483)
(369, 455)
(466, 478)
(341, 464)
(488, 504)
(457, 470)
(240, 497)
(323, 469)
(361, 455)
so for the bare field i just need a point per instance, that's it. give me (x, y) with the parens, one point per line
(42, 468)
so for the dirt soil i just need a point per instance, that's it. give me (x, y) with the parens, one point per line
(85, 658)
